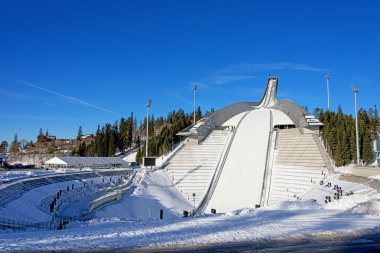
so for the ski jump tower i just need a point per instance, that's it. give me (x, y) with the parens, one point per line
(250, 154)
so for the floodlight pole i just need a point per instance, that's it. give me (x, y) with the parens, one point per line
(328, 92)
(194, 201)
(148, 104)
(357, 125)
(194, 88)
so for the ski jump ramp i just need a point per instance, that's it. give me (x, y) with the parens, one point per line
(241, 182)
(242, 171)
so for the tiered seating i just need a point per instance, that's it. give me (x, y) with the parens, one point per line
(17, 189)
(291, 182)
(192, 168)
(298, 165)
(294, 148)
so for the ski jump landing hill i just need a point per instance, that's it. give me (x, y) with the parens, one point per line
(250, 154)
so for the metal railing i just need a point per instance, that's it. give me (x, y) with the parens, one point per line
(111, 197)
(264, 187)
(323, 152)
(17, 224)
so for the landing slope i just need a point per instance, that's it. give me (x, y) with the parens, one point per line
(241, 181)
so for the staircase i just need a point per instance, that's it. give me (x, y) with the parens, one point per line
(298, 165)
(192, 168)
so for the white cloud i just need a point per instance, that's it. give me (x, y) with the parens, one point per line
(69, 98)
(245, 68)
(223, 79)
(245, 71)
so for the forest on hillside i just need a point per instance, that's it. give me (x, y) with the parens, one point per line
(127, 133)
(339, 134)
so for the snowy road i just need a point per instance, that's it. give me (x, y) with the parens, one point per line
(197, 233)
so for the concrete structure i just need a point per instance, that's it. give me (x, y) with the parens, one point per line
(376, 151)
(270, 152)
(84, 162)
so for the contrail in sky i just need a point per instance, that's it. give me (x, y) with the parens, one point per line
(73, 99)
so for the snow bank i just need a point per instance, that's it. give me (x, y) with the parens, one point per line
(242, 211)
(377, 177)
(371, 207)
(298, 205)
(345, 169)
(15, 175)
(153, 191)
(130, 157)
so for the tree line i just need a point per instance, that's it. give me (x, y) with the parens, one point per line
(119, 137)
(339, 134)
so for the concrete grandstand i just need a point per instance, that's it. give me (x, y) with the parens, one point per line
(250, 154)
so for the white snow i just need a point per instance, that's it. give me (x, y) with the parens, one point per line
(133, 223)
(130, 157)
(371, 207)
(241, 180)
(204, 230)
(155, 192)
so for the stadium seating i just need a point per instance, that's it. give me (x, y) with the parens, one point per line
(298, 165)
(192, 167)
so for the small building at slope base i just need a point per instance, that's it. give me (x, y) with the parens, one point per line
(85, 162)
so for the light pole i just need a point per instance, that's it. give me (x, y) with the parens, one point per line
(328, 92)
(194, 200)
(194, 89)
(148, 104)
(357, 127)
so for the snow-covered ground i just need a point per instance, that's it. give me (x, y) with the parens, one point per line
(155, 192)
(234, 227)
(133, 222)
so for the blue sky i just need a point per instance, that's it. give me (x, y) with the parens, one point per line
(65, 64)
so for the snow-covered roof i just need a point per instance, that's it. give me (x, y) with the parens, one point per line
(72, 160)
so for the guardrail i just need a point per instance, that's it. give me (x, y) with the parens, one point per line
(111, 197)
(17, 224)
(265, 186)
(178, 148)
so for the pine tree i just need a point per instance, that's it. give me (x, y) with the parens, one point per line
(15, 145)
(367, 154)
(80, 133)
(130, 131)
(4, 146)
(345, 149)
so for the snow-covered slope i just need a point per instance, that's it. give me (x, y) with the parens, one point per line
(153, 193)
(241, 181)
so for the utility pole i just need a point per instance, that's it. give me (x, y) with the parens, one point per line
(328, 92)
(148, 104)
(194, 89)
(357, 125)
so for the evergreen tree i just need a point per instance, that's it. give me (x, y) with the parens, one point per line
(367, 154)
(80, 133)
(41, 137)
(15, 145)
(198, 114)
(130, 131)
(4, 146)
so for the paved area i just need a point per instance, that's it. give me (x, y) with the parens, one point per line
(373, 183)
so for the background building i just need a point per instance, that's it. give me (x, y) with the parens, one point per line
(84, 162)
